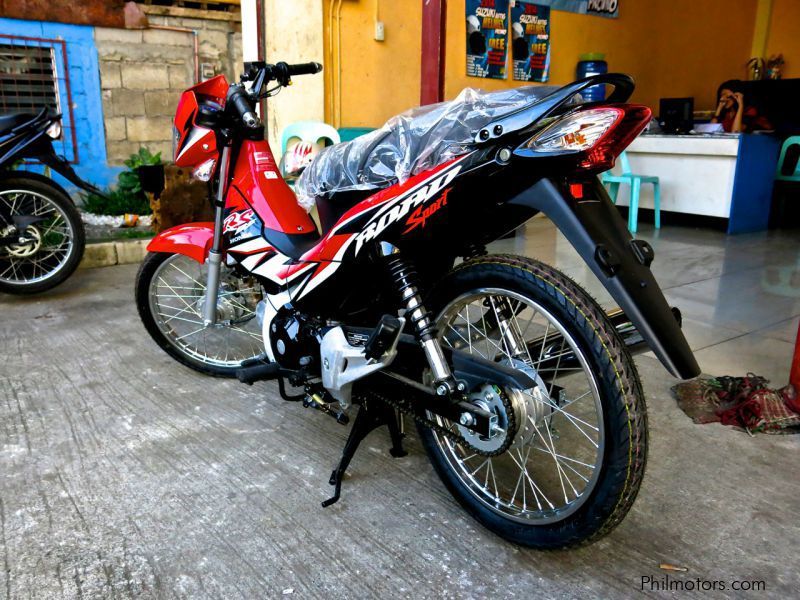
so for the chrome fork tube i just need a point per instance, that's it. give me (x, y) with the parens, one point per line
(214, 260)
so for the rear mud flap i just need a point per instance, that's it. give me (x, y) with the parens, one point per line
(595, 229)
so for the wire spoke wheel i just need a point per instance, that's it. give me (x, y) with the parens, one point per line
(567, 458)
(43, 247)
(174, 288)
(552, 465)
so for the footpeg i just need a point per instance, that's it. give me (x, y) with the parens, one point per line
(258, 372)
(314, 400)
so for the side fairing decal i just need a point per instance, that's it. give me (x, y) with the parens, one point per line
(398, 208)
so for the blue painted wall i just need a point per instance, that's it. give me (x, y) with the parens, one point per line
(84, 74)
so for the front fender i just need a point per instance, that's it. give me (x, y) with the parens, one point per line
(595, 229)
(192, 239)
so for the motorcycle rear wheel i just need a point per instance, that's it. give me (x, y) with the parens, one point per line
(578, 456)
(170, 289)
(56, 242)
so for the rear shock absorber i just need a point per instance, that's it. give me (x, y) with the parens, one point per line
(405, 278)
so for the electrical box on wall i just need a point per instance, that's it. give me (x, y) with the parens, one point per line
(380, 32)
(207, 71)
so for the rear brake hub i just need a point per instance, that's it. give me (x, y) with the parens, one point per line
(531, 406)
(492, 399)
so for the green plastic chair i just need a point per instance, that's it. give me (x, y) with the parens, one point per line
(348, 134)
(309, 131)
(795, 175)
(635, 181)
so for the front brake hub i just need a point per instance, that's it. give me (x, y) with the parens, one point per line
(31, 242)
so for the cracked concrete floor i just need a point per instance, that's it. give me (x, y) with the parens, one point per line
(124, 474)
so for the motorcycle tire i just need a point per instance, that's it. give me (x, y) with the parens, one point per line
(148, 271)
(41, 186)
(624, 417)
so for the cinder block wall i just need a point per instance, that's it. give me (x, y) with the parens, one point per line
(143, 72)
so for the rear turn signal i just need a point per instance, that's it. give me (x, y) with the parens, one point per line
(596, 136)
(579, 131)
(54, 130)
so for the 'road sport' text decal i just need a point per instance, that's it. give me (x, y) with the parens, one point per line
(403, 205)
(420, 216)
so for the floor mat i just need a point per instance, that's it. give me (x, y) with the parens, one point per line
(743, 402)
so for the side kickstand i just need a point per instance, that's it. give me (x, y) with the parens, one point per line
(369, 417)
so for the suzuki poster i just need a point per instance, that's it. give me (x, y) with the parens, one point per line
(487, 29)
(530, 41)
(600, 8)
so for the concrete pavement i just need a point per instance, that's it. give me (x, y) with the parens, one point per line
(124, 474)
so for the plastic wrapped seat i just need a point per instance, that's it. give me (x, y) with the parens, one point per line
(407, 144)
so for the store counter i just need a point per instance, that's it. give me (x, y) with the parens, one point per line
(720, 175)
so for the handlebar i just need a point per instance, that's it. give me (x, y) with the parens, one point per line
(238, 98)
(282, 72)
(309, 68)
(261, 74)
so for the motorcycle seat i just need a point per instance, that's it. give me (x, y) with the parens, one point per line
(9, 121)
(408, 144)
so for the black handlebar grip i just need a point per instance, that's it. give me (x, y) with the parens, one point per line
(310, 68)
(245, 109)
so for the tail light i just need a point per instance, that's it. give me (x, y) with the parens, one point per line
(54, 129)
(596, 135)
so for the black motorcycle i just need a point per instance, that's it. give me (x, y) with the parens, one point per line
(41, 233)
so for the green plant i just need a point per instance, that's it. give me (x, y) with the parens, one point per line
(128, 196)
(128, 181)
(116, 202)
(132, 234)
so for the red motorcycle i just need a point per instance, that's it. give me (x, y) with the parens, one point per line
(523, 389)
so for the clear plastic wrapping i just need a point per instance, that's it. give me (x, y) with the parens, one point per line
(409, 143)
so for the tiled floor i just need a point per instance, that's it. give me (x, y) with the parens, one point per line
(739, 295)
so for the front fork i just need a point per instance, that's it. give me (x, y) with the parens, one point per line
(214, 260)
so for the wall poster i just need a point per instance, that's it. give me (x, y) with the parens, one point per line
(530, 41)
(487, 31)
(600, 8)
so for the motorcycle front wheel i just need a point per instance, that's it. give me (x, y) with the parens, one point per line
(43, 233)
(575, 455)
(170, 291)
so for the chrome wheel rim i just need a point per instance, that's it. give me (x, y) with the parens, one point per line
(176, 295)
(50, 244)
(549, 471)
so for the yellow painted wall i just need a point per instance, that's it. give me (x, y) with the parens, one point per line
(379, 79)
(294, 40)
(784, 35)
(672, 48)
